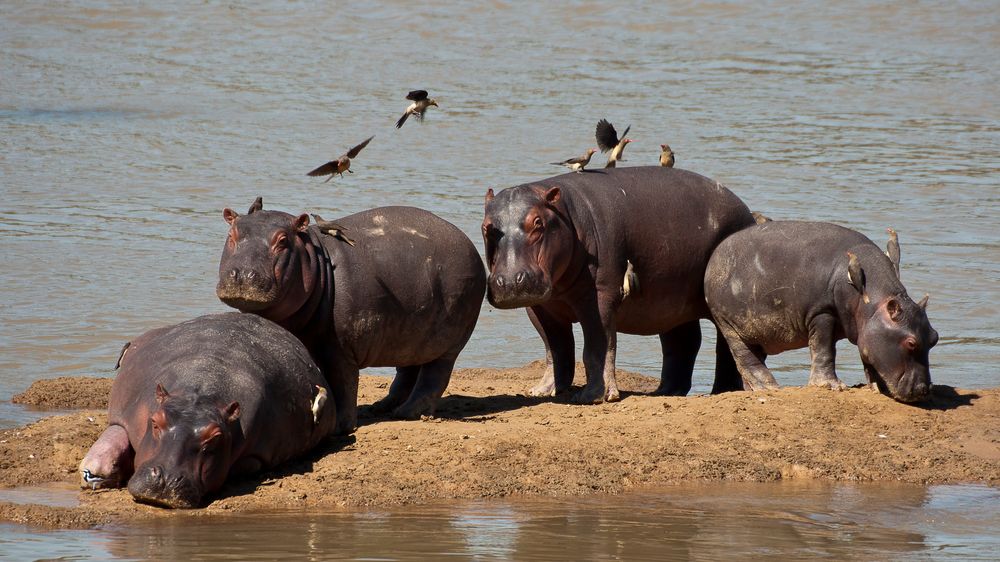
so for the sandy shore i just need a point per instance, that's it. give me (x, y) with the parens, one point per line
(488, 440)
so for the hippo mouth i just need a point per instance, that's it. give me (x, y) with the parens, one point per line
(908, 388)
(151, 486)
(508, 300)
(244, 300)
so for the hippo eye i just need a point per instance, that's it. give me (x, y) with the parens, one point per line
(538, 224)
(910, 344)
(280, 243)
(212, 443)
(156, 431)
(233, 237)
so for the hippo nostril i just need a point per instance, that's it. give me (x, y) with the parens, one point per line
(250, 275)
(156, 473)
(234, 273)
(498, 280)
(519, 278)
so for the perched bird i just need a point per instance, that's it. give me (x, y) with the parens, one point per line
(760, 218)
(666, 156)
(91, 480)
(579, 163)
(257, 205)
(631, 282)
(923, 302)
(856, 275)
(892, 249)
(317, 403)
(122, 354)
(331, 228)
(607, 139)
(420, 104)
(341, 164)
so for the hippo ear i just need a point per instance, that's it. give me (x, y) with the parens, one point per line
(552, 196)
(230, 215)
(489, 195)
(894, 309)
(923, 302)
(301, 223)
(161, 393)
(231, 412)
(257, 205)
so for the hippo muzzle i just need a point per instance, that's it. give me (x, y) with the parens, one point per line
(520, 289)
(246, 290)
(153, 484)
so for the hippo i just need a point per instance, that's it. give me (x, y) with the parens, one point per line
(790, 284)
(561, 247)
(196, 402)
(405, 292)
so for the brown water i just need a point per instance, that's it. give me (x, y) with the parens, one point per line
(126, 130)
(686, 522)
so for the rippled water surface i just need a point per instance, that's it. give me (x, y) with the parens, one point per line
(785, 521)
(126, 129)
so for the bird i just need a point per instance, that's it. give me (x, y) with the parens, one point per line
(630, 284)
(341, 164)
(420, 104)
(666, 156)
(121, 355)
(317, 402)
(579, 163)
(760, 218)
(331, 228)
(91, 479)
(607, 139)
(856, 275)
(892, 249)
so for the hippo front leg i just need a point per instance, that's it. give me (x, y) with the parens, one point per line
(110, 461)
(600, 343)
(823, 351)
(343, 380)
(560, 348)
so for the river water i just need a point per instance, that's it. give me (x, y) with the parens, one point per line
(127, 129)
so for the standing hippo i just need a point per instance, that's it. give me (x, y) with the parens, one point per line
(788, 284)
(406, 294)
(562, 246)
(198, 401)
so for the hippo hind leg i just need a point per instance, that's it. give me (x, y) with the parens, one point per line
(727, 376)
(680, 348)
(109, 462)
(750, 362)
(400, 389)
(430, 385)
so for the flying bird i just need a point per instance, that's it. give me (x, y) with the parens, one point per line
(607, 139)
(331, 228)
(317, 402)
(856, 275)
(892, 249)
(341, 164)
(579, 163)
(420, 104)
(666, 156)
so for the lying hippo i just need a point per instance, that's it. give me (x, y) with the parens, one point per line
(406, 294)
(788, 284)
(198, 401)
(562, 247)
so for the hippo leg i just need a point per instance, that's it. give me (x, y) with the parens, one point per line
(109, 462)
(600, 344)
(399, 390)
(431, 383)
(750, 362)
(823, 350)
(727, 376)
(343, 381)
(680, 348)
(559, 353)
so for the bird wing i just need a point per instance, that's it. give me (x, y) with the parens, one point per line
(325, 169)
(607, 138)
(353, 153)
(417, 95)
(402, 119)
(627, 129)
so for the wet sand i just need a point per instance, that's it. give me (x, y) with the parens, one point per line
(488, 440)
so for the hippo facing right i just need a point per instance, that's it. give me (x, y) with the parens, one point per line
(785, 285)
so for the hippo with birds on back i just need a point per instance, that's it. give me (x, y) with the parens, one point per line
(785, 285)
(564, 247)
(405, 293)
(199, 401)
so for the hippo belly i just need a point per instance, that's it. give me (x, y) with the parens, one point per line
(195, 402)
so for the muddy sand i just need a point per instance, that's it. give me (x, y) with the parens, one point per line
(488, 440)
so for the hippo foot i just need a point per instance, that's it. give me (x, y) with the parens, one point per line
(414, 409)
(384, 405)
(592, 395)
(832, 384)
(543, 389)
(108, 462)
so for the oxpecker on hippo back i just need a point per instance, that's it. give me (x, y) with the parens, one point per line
(405, 292)
(786, 285)
(202, 400)
(562, 247)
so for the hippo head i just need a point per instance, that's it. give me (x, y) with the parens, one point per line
(266, 265)
(895, 338)
(529, 244)
(186, 452)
